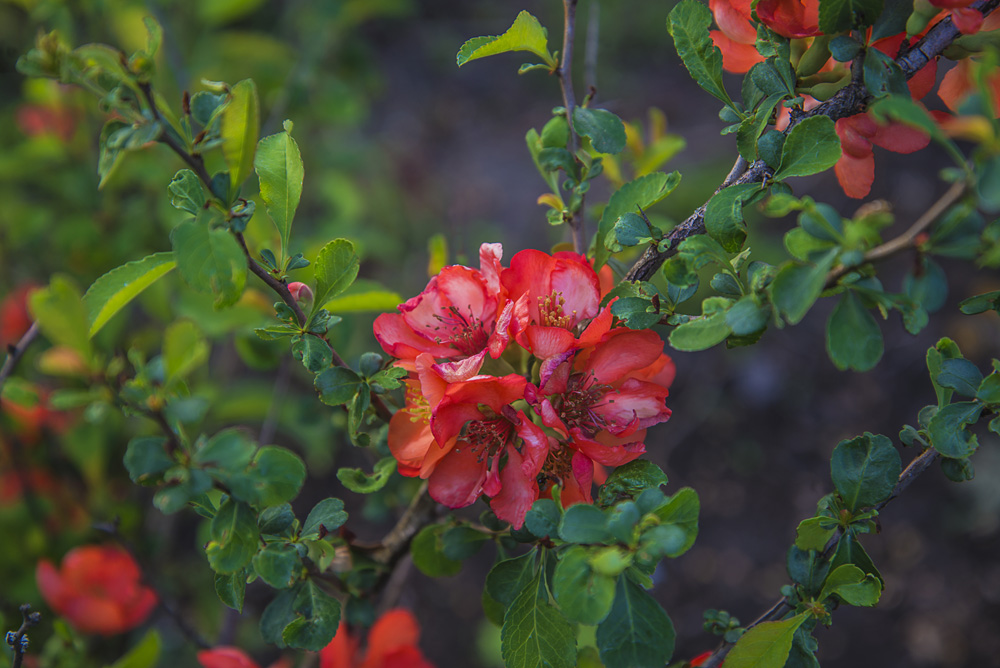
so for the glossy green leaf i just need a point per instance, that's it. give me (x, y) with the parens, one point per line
(748, 316)
(813, 534)
(317, 616)
(61, 315)
(797, 286)
(810, 147)
(358, 481)
(689, 24)
(231, 589)
(279, 167)
(526, 34)
(766, 645)
(428, 553)
(509, 577)
(186, 192)
(240, 127)
(842, 15)
(337, 385)
(628, 480)
(852, 585)
(604, 129)
(865, 470)
(701, 334)
(336, 268)
(313, 352)
(184, 350)
(234, 537)
(146, 459)
(114, 290)
(853, 337)
(960, 375)
(637, 633)
(278, 564)
(724, 215)
(583, 594)
(582, 523)
(681, 510)
(947, 429)
(642, 192)
(535, 633)
(210, 260)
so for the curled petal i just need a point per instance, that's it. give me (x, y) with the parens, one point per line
(398, 339)
(629, 351)
(458, 478)
(609, 455)
(536, 445)
(855, 175)
(736, 57)
(518, 493)
(454, 372)
(733, 18)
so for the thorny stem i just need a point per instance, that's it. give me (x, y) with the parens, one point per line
(919, 464)
(576, 220)
(850, 100)
(16, 352)
(278, 286)
(28, 619)
(908, 238)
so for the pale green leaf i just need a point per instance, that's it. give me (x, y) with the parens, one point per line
(184, 349)
(240, 125)
(279, 168)
(210, 260)
(643, 192)
(811, 147)
(526, 34)
(766, 645)
(114, 290)
(61, 314)
(336, 268)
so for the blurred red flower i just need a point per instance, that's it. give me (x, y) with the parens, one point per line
(392, 643)
(233, 657)
(98, 589)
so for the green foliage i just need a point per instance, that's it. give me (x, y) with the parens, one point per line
(336, 268)
(640, 193)
(316, 616)
(865, 470)
(688, 24)
(853, 338)
(605, 131)
(812, 146)
(210, 259)
(526, 34)
(61, 315)
(637, 633)
(796, 287)
(145, 654)
(234, 537)
(115, 289)
(240, 126)
(843, 15)
(358, 481)
(326, 517)
(534, 632)
(724, 215)
(278, 164)
(427, 550)
(628, 480)
(766, 645)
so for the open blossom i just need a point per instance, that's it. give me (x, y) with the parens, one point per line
(98, 589)
(392, 643)
(586, 392)
(233, 657)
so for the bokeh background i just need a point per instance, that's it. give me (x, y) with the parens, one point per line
(399, 146)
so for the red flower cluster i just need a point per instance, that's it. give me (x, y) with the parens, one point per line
(98, 589)
(392, 643)
(519, 380)
(799, 19)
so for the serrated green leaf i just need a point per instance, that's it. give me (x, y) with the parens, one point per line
(842, 15)
(234, 537)
(810, 147)
(852, 585)
(509, 577)
(812, 534)
(865, 470)
(637, 633)
(689, 24)
(583, 594)
(317, 616)
(526, 34)
(240, 127)
(535, 633)
(114, 290)
(642, 192)
(313, 352)
(701, 334)
(231, 589)
(766, 645)
(724, 215)
(279, 167)
(146, 459)
(358, 481)
(186, 192)
(629, 480)
(210, 260)
(337, 385)
(604, 129)
(278, 564)
(336, 268)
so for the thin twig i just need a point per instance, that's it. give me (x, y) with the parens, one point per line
(16, 352)
(18, 640)
(850, 100)
(193, 160)
(918, 465)
(419, 513)
(908, 238)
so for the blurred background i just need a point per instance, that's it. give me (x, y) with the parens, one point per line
(400, 145)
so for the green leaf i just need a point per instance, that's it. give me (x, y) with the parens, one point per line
(61, 314)
(689, 24)
(852, 585)
(583, 523)
(853, 337)
(146, 460)
(358, 481)
(892, 19)
(313, 352)
(186, 192)
(461, 542)
(428, 553)
(629, 480)
(210, 260)
(229, 449)
(278, 614)
(944, 349)
(317, 618)
(748, 316)
(535, 633)
(336, 268)
(797, 286)
(813, 534)
(114, 290)
(637, 633)
(279, 167)
(234, 537)
(702, 333)
(811, 147)
(337, 385)
(143, 655)
(583, 595)
(231, 589)
(240, 127)
(960, 375)
(947, 429)
(842, 15)
(752, 127)
(642, 192)
(364, 296)
(276, 519)
(278, 564)
(605, 130)
(184, 486)
(883, 76)
(543, 518)
(724, 215)
(681, 510)
(766, 645)
(865, 470)
(184, 350)
(807, 568)
(981, 303)
(526, 34)
(509, 577)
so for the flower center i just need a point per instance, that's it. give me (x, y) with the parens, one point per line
(488, 437)
(416, 404)
(558, 466)
(464, 333)
(576, 405)
(551, 314)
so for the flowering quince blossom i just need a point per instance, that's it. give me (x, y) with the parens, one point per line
(392, 643)
(586, 393)
(233, 657)
(98, 589)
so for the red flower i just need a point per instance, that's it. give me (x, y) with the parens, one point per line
(233, 657)
(700, 659)
(98, 589)
(968, 20)
(36, 120)
(392, 643)
(14, 316)
(454, 318)
(736, 37)
(790, 18)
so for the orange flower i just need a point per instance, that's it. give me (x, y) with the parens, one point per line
(98, 589)
(233, 657)
(392, 643)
